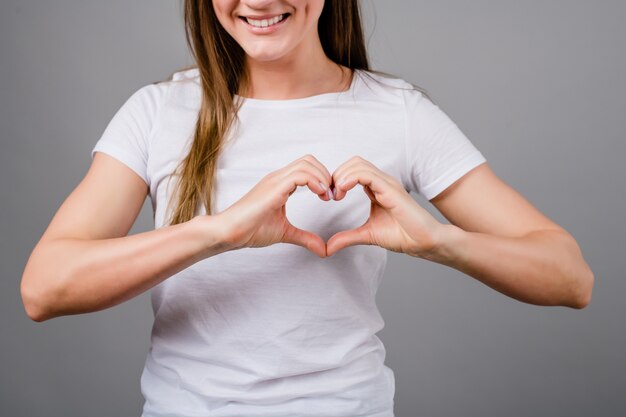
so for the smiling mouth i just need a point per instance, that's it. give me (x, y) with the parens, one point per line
(263, 23)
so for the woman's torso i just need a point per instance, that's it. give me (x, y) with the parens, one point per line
(275, 330)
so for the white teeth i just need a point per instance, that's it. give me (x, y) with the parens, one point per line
(265, 22)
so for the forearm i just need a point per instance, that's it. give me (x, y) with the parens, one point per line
(542, 268)
(71, 276)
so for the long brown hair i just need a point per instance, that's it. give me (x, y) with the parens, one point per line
(221, 65)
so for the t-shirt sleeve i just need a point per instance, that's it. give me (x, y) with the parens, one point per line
(438, 152)
(127, 136)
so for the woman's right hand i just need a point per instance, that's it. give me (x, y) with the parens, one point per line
(258, 218)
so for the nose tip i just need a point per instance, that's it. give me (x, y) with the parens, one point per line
(259, 4)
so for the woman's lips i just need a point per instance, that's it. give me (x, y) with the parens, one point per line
(265, 29)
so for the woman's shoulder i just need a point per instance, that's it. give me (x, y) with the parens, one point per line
(186, 74)
(384, 77)
(382, 85)
(186, 77)
(180, 88)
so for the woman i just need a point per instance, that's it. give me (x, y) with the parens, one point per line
(263, 293)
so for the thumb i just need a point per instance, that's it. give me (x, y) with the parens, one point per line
(345, 238)
(306, 239)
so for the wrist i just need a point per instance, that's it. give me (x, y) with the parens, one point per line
(445, 240)
(214, 234)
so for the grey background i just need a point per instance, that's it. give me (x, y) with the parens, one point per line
(538, 86)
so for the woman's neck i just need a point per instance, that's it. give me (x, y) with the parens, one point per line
(303, 73)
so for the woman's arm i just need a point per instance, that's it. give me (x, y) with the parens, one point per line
(498, 237)
(71, 276)
(544, 267)
(85, 261)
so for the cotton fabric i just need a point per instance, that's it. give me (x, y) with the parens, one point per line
(278, 331)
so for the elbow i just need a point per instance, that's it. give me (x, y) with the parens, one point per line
(36, 299)
(582, 279)
(585, 289)
(32, 301)
(43, 291)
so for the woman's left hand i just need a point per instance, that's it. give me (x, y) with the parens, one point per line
(397, 222)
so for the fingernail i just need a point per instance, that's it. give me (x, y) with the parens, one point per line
(323, 185)
(330, 194)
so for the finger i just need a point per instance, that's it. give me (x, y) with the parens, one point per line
(310, 163)
(369, 193)
(301, 177)
(345, 238)
(354, 163)
(365, 176)
(341, 169)
(344, 169)
(321, 186)
(306, 239)
(322, 168)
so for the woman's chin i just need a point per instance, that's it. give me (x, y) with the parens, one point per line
(268, 56)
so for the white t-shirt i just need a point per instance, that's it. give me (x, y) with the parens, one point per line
(278, 331)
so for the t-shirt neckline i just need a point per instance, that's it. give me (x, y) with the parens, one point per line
(318, 98)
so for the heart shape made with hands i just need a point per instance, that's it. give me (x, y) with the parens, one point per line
(384, 214)
(333, 221)
(288, 213)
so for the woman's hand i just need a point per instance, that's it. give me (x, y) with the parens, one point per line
(396, 222)
(258, 218)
